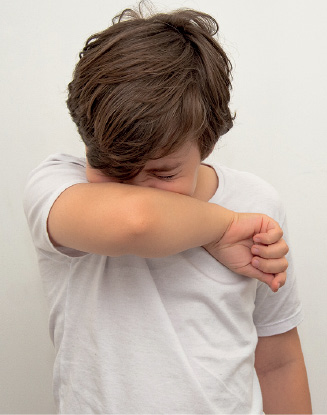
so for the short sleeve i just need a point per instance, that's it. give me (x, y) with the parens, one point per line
(277, 313)
(274, 313)
(44, 185)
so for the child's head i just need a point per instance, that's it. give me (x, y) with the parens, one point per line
(145, 86)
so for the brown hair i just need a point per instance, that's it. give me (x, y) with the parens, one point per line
(146, 85)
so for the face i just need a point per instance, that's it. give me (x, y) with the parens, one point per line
(177, 172)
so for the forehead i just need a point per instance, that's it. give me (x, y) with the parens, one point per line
(187, 151)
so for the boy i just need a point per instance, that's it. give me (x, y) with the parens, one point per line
(144, 320)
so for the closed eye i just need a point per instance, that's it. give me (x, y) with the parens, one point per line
(166, 177)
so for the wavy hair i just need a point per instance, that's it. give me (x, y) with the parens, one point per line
(146, 85)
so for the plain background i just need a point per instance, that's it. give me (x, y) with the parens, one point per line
(278, 48)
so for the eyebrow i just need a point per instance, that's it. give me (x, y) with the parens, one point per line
(164, 168)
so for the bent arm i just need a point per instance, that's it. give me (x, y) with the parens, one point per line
(282, 374)
(116, 219)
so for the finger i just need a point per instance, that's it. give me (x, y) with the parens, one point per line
(268, 279)
(275, 282)
(251, 272)
(270, 266)
(270, 237)
(274, 251)
(278, 281)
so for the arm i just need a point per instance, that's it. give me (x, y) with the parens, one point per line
(116, 219)
(281, 371)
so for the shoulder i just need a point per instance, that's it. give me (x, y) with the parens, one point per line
(246, 192)
(56, 170)
(59, 162)
(51, 177)
(245, 182)
(45, 184)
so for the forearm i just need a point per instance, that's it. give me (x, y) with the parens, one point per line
(174, 223)
(113, 219)
(285, 390)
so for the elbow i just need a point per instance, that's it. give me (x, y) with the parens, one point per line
(138, 228)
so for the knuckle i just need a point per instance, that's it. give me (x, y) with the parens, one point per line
(283, 264)
(286, 263)
(285, 246)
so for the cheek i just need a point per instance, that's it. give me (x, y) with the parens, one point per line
(182, 186)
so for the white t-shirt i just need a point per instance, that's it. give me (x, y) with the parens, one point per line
(173, 335)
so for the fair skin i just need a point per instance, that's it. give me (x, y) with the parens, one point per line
(153, 215)
(183, 173)
(282, 374)
(164, 210)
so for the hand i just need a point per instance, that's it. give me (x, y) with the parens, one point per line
(253, 246)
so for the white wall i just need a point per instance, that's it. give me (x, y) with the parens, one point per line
(279, 53)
